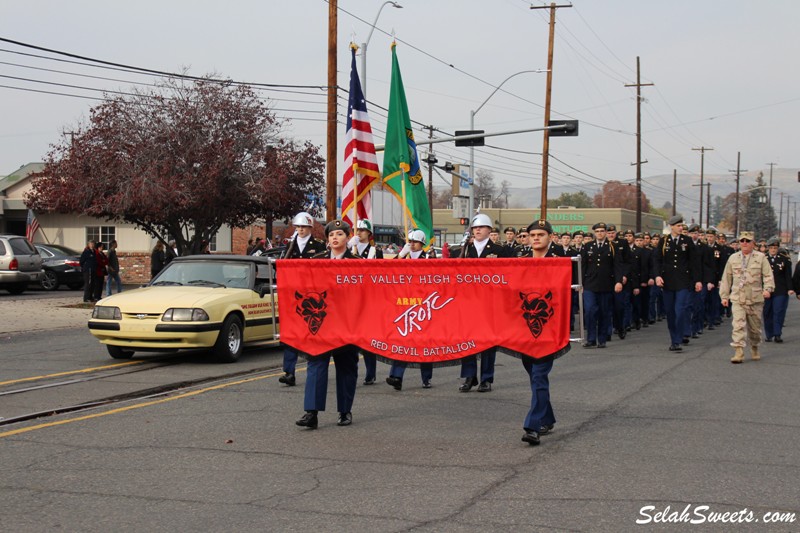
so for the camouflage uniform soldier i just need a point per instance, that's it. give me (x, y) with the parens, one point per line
(746, 282)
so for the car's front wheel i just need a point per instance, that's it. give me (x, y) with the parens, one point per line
(49, 281)
(119, 353)
(228, 347)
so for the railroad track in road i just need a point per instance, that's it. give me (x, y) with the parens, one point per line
(81, 376)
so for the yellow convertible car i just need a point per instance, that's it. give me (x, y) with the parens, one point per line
(202, 301)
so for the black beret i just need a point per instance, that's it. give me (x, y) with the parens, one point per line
(337, 224)
(540, 224)
(677, 219)
(599, 225)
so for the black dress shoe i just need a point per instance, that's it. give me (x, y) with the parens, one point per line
(544, 430)
(695, 336)
(309, 420)
(531, 437)
(601, 345)
(638, 325)
(778, 339)
(369, 381)
(711, 327)
(622, 333)
(426, 385)
(589, 344)
(485, 386)
(651, 322)
(397, 383)
(288, 379)
(686, 340)
(345, 419)
(675, 348)
(468, 384)
(768, 339)
(645, 324)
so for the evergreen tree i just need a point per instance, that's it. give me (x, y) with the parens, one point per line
(759, 216)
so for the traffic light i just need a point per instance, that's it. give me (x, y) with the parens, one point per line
(464, 221)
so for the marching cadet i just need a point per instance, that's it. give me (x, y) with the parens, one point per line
(302, 246)
(412, 250)
(716, 258)
(523, 249)
(726, 252)
(602, 277)
(775, 306)
(746, 282)
(677, 272)
(656, 310)
(364, 248)
(707, 278)
(640, 259)
(577, 240)
(540, 419)
(345, 358)
(568, 251)
(480, 246)
(619, 298)
(511, 242)
(494, 235)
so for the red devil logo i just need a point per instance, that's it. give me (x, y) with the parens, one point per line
(536, 311)
(312, 308)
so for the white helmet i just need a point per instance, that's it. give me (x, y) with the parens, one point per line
(417, 235)
(303, 219)
(481, 220)
(364, 223)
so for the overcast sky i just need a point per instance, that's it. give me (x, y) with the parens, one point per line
(725, 75)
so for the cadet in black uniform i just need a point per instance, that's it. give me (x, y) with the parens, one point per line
(620, 298)
(602, 277)
(540, 419)
(775, 306)
(302, 246)
(511, 242)
(412, 250)
(677, 272)
(345, 358)
(640, 261)
(716, 260)
(363, 247)
(480, 246)
(707, 278)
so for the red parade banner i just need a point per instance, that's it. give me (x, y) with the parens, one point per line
(430, 311)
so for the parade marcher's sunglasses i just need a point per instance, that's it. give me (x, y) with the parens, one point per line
(745, 240)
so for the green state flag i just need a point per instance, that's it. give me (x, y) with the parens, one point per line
(400, 161)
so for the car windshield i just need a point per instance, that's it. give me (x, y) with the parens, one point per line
(205, 274)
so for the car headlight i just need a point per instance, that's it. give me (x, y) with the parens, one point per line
(181, 314)
(106, 313)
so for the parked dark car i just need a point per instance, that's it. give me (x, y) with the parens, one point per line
(61, 267)
(19, 264)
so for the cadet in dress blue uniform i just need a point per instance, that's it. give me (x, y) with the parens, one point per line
(602, 277)
(775, 306)
(677, 272)
(345, 358)
(302, 246)
(717, 266)
(619, 298)
(480, 247)
(412, 250)
(362, 246)
(726, 251)
(640, 264)
(540, 419)
(706, 276)
(511, 242)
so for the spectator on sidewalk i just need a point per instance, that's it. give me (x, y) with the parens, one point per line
(113, 268)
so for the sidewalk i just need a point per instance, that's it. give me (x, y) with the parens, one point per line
(21, 314)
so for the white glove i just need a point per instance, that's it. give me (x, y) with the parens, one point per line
(405, 251)
(352, 242)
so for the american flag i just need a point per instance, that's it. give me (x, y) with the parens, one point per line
(32, 226)
(360, 161)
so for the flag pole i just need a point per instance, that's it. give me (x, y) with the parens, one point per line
(405, 208)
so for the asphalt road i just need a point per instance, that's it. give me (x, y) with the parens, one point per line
(637, 426)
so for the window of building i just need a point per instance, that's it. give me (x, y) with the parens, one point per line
(212, 245)
(104, 234)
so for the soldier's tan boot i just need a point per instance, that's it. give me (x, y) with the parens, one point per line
(738, 355)
(754, 355)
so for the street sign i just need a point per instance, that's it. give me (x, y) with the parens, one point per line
(469, 142)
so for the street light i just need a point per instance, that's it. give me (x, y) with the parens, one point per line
(472, 128)
(365, 43)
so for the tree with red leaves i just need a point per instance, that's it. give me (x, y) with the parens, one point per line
(179, 161)
(623, 195)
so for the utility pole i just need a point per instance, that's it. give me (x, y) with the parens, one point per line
(702, 151)
(547, 98)
(780, 220)
(708, 205)
(738, 172)
(674, 189)
(770, 182)
(330, 180)
(639, 161)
